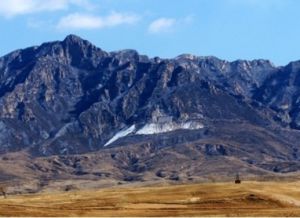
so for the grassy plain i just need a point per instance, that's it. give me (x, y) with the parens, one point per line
(203, 199)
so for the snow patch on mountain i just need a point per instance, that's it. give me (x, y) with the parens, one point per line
(120, 134)
(155, 128)
(63, 130)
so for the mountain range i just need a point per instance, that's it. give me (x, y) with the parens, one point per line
(70, 111)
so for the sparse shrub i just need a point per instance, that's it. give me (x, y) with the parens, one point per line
(161, 174)
(70, 188)
(3, 191)
(174, 177)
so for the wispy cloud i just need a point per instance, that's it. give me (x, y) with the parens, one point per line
(11, 8)
(163, 24)
(87, 21)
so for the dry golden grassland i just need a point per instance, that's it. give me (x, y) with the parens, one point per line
(214, 199)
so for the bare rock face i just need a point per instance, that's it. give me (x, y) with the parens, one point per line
(70, 97)
(280, 92)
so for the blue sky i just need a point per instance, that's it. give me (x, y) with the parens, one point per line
(228, 29)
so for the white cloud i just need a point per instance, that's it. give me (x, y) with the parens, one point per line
(164, 25)
(161, 25)
(86, 21)
(11, 8)
(86, 4)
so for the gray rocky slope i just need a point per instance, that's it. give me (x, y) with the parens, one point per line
(70, 98)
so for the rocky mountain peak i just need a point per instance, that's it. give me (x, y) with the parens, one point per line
(294, 66)
(74, 39)
(71, 97)
(120, 115)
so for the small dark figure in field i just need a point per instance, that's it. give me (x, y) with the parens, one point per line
(237, 179)
(2, 192)
(70, 188)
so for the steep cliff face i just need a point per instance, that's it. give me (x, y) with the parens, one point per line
(280, 92)
(71, 97)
